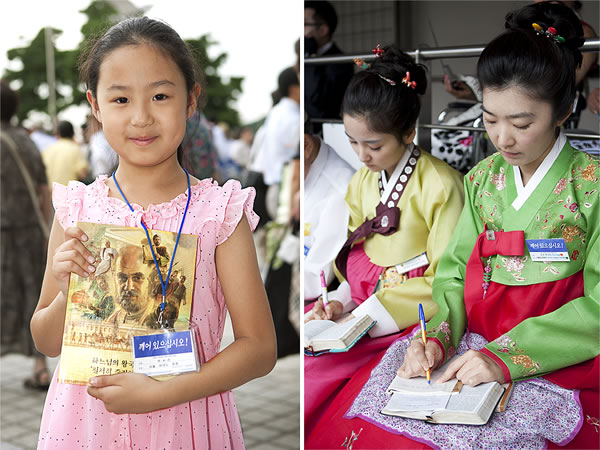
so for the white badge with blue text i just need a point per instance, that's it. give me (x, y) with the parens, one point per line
(168, 353)
(548, 250)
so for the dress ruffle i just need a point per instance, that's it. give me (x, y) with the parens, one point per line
(236, 201)
(68, 202)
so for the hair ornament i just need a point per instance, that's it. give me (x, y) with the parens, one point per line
(407, 82)
(549, 33)
(378, 51)
(391, 82)
(361, 63)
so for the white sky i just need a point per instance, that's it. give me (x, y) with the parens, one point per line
(257, 35)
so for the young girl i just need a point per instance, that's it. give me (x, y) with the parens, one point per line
(142, 86)
(412, 199)
(519, 285)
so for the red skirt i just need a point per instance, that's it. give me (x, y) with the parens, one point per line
(326, 375)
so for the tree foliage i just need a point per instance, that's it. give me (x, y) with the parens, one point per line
(220, 94)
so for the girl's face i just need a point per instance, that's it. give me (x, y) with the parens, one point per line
(521, 128)
(143, 103)
(377, 151)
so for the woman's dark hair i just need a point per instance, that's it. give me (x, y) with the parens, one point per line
(539, 65)
(137, 31)
(391, 109)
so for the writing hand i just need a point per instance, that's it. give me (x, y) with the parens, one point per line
(473, 368)
(72, 257)
(419, 358)
(332, 311)
(126, 393)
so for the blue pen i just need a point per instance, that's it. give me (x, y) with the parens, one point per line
(422, 321)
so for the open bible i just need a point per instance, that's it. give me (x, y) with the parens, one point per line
(327, 336)
(449, 402)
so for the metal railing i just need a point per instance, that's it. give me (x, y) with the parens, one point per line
(466, 51)
(425, 55)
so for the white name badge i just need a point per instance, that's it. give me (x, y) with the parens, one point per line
(168, 353)
(413, 263)
(547, 250)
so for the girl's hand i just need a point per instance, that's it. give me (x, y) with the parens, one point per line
(473, 368)
(72, 257)
(419, 358)
(332, 311)
(126, 393)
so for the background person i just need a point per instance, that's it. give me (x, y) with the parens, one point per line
(64, 159)
(324, 83)
(23, 249)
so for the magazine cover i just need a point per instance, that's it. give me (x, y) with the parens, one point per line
(122, 298)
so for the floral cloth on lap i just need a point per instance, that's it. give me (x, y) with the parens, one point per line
(537, 410)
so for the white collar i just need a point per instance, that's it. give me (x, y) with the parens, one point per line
(388, 186)
(524, 192)
(324, 48)
(317, 166)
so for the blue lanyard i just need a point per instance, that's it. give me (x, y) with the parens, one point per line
(163, 284)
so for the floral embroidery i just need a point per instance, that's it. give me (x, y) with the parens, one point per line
(515, 265)
(551, 268)
(499, 179)
(593, 421)
(506, 345)
(523, 360)
(573, 207)
(570, 232)
(505, 341)
(588, 174)
(560, 186)
(575, 255)
(349, 441)
(443, 328)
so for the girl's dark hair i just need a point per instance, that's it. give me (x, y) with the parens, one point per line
(137, 31)
(543, 68)
(391, 109)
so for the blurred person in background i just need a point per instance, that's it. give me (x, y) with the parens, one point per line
(199, 153)
(326, 178)
(64, 159)
(221, 137)
(40, 138)
(282, 134)
(103, 159)
(25, 207)
(240, 146)
(325, 83)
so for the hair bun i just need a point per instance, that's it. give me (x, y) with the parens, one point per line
(549, 14)
(394, 63)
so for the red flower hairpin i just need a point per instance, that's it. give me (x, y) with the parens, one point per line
(407, 82)
(378, 51)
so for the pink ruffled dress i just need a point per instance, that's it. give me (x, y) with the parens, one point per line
(73, 419)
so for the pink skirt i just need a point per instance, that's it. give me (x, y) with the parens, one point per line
(327, 374)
